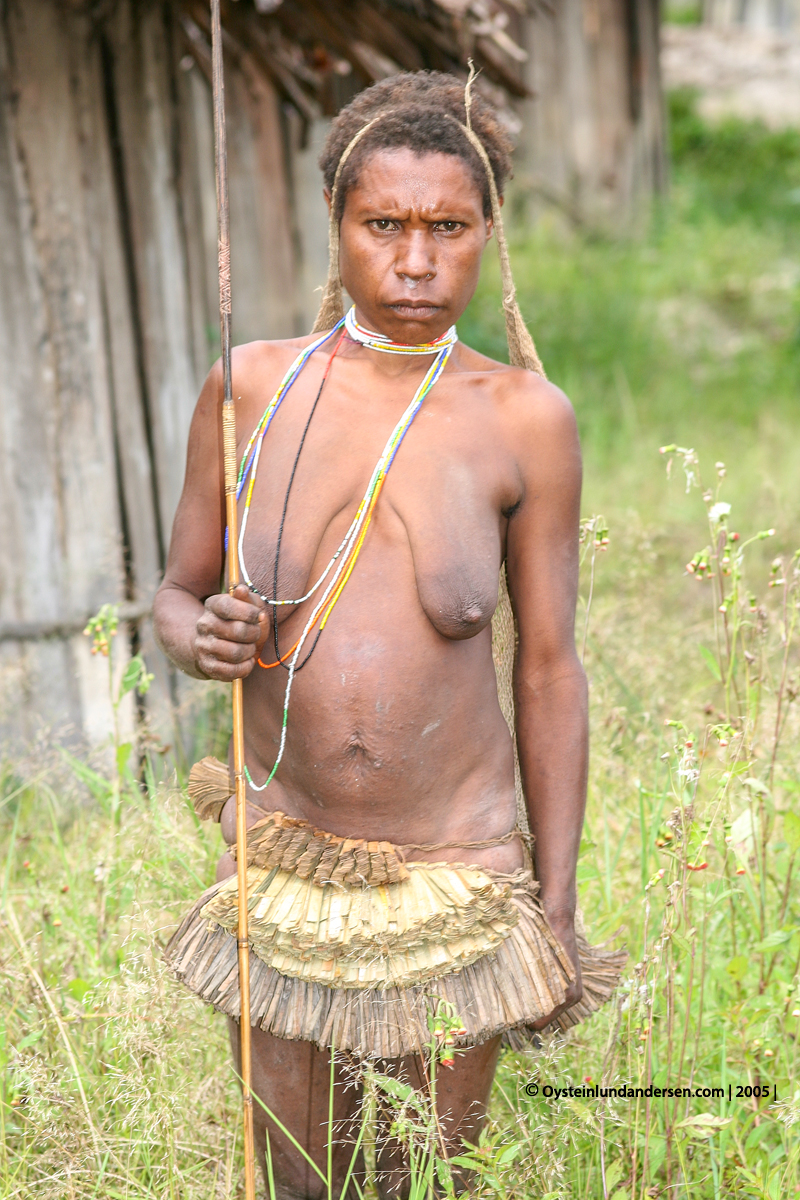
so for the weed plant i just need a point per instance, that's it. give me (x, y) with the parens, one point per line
(116, 1083)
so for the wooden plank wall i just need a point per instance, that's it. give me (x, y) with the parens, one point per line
(592, 139)
(108, 324)
(780, 16)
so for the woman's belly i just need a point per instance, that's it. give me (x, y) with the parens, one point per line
(394, 731)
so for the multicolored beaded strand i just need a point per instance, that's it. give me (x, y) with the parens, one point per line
(350, 547)
(377, 341)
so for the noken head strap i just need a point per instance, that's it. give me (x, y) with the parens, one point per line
(521, 349)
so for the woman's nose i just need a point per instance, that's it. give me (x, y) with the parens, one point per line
(415, 262)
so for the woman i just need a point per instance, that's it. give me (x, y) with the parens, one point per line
(390, 735)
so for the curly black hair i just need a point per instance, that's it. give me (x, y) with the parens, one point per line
(419, 108)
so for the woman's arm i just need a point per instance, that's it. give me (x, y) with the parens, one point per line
(549, 682)
(207, 634)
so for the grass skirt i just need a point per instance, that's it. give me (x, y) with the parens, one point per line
(351, 946)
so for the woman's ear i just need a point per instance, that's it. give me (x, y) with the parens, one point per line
(327, 194)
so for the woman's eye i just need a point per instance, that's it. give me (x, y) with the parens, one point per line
(384, 226)
(449, 226)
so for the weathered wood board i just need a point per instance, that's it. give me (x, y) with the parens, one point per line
(592, 140)
(108, 321)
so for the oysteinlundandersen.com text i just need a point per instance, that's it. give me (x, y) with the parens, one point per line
(626, 1092)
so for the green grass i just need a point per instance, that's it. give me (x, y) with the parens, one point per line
(691, 335)
(117, 1084)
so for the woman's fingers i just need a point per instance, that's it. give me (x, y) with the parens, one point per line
(573, 993)
(236, 614)
(226, 650)
(216, 668)
(232, 630)
(228, 634)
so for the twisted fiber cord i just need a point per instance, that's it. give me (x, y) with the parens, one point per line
(331, 307)
(521, 349)
(486, 844)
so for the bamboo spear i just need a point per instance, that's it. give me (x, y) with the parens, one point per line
(229, 452)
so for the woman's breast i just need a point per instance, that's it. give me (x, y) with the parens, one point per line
(439, 537)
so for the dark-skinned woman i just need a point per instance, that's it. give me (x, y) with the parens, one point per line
(389, 475)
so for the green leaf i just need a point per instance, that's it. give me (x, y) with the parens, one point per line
(467, 1162)
(757, 1134)
(613, 1175)
(657, 1152)
(773, 940)
(96, 783)
(743, 835)
(30, 1039)
(444, 1176)
(738, 967)
(711, 662)
(78, 988)
(510, 1153)
(704, 1124)
(401, 1093)
(123, 754)
(393, 1087)
(134, 676)
(791, 831)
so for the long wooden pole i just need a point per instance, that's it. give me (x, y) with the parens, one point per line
(230, 457)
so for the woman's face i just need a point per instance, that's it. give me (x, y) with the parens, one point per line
(411, 239)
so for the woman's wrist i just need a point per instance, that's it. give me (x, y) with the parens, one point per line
(558, 906)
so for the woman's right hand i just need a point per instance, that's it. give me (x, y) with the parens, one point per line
(230, 634)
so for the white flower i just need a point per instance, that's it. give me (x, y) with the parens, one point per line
(718, 511)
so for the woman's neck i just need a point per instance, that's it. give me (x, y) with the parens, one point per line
(391, 357)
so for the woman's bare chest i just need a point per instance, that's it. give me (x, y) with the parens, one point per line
(437, 520)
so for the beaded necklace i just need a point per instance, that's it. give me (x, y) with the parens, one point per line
(377, 341)
(344, 559)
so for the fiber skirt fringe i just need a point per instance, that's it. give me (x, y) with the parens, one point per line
(505, 990)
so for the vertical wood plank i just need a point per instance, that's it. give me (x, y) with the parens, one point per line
(140, 45)
(311, 219)
(593, 136)
(56, 429)
(263, 258)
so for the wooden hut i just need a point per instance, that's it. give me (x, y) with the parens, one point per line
(764, 16)
(108, 301)
(592, 138)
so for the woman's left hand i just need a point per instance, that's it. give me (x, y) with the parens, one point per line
(564, 929)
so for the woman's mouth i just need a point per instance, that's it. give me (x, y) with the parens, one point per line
(413, 308)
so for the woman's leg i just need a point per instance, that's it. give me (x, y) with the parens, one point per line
(462, 1097)
(293, 1080)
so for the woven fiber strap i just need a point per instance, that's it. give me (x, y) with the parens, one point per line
(295, 845)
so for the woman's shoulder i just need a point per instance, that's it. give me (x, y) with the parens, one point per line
(523, 397)
(268, 353)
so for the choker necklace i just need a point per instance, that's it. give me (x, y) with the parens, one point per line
(377, 341)
(340, 566)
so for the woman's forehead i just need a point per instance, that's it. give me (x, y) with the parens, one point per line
(398, 176)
